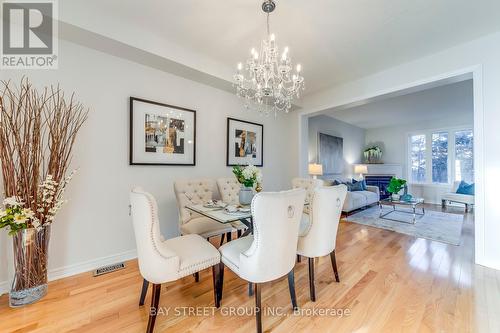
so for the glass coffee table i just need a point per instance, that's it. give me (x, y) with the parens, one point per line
(413, 204)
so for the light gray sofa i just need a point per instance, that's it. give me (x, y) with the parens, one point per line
(359, 199)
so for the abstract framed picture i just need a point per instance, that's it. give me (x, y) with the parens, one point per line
(331, 154)
(161, 134)
(245, 143)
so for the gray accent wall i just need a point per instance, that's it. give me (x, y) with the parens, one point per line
(354, 140)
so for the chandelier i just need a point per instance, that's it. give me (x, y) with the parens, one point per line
(267, 82)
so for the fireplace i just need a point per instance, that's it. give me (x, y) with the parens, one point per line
(381, 181)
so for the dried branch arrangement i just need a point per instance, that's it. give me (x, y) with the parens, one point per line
(37, 133)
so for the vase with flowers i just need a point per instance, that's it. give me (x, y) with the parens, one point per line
(250, 179)
(37, 133)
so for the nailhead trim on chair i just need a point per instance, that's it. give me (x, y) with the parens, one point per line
(255, 229)
(191, 269)
(154, 219)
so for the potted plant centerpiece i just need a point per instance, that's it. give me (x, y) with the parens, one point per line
(250, 178)
(395, 186)
(37, 133)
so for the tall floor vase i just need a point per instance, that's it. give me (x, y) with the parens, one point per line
(30, 266)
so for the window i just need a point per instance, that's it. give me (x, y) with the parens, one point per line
(417, 152)
(464, 156)
(440, 157)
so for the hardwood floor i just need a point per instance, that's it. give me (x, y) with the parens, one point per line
(388, 281)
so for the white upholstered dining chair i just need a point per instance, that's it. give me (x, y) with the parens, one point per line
(318, 237)
(229, 189)
(269, 253)
(308, 184)
(168, 260)
(192, 192)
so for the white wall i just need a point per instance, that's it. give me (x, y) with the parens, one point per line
(394, 144)
(95, 223)
(354, 140)
(481, 56)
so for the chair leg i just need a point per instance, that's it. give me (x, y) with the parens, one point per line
(291, 287)
(222, 239)
(312, 290)
(298, 258)
(466, 208)
(229, 236)
(238, 233)
(144, 291)
(216, 281)
(196, 277)
(220, 285)
(258, 308)
(153, 311)
(334, 265)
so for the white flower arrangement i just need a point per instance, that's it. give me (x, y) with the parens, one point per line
(248, 176)
(48, 203)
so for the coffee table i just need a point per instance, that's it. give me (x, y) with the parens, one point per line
(413, 204)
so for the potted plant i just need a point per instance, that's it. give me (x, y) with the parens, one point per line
(37, 133)
(395, 186)
(249, 177)
(373, 154)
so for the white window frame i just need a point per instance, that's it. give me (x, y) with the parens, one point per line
(428, 154)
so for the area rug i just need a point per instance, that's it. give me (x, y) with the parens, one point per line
(437, 226)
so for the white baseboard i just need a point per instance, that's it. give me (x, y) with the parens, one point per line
(4, 287)
(85, 266)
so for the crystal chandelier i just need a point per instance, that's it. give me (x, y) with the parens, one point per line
(267, 82)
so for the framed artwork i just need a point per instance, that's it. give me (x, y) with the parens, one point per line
(161, 134)
(331, 154)
(245, 143)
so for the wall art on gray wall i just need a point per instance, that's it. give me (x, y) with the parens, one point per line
(161, 134)
(331, 154)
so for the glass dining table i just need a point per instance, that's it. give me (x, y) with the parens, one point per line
(220, 215)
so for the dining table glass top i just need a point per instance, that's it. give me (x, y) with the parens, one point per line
(219, 214)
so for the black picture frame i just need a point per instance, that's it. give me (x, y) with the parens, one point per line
(132, 100)
(228, 143)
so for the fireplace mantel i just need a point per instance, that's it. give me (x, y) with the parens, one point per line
(385, 169)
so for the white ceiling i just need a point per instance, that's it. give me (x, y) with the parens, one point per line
(335, 40)
(451, 100)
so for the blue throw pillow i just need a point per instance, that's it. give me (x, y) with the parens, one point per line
(347, 184)
(357, 187)
(465, 188)
(359, 184)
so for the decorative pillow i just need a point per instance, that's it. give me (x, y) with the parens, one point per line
(359, 184)
(348, 184)
(465, 188)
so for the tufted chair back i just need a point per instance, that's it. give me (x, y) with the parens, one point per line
(276, 219)
(229, 189)
(308, 184)
(325, 211)
(192, 192)
(157, 263)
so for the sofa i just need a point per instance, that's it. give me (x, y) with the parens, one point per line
(359, 199)
(467, 200)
